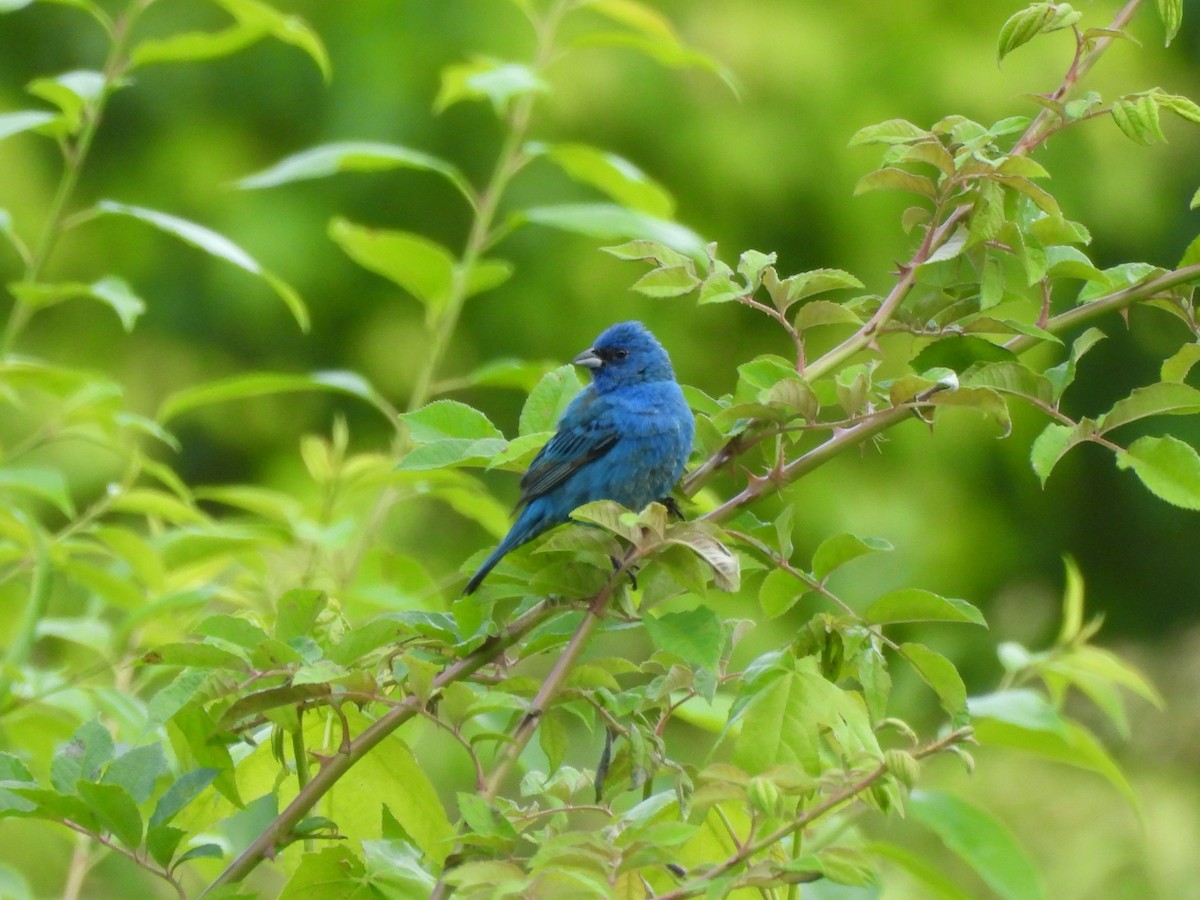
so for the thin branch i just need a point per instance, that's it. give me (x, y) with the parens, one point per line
(549, 691)
(128, 854)
(1041, 127)
(700, 883)
(335, 766)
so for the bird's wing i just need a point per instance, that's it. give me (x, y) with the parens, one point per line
(586, 432)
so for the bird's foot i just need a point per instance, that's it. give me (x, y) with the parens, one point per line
(672, 506)
(631, 572)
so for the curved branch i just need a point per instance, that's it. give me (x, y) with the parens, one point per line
(335, 766)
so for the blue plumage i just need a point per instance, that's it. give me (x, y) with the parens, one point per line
(625, 437)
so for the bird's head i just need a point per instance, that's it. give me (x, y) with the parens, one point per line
(626, 353)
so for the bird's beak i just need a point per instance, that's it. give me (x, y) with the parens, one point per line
(589, 359)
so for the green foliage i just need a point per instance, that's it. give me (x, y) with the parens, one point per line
(232, 713)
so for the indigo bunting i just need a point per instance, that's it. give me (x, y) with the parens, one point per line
(624, 437)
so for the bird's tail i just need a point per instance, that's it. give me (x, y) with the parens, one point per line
(530, 523)
(488, 565)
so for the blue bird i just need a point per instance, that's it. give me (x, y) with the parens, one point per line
(624, 437)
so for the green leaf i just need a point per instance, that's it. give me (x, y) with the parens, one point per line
(779, 592)
(111, 291)
(199, 656)
(695, 636)
(331, 872)
(1010, 378)
(82, 757)
(1163, 398)
(1022, 27)
(824, 312)
(839, 549)
(115, 809)
(354, 156)
(609, 222)
(490, 79)
(893, 131)
(486, 275)
(1026, 721)
(162, 841)
(1184, 107)
(186, 788)
(795, 288)
(297, 611)
(255, 20)
(916, 605)
(891, 178)
(548, 400)
(934, 884)
(725, 565)
(1122, 276)
(137, 770)
(194, 46)
(215, 245)
(785, 712)
(941, 675)
(1137, 117)
(647, 250)
(47, 484)
(70, 92)
(390, 776)
(1171, 13)
(444, 419)
(289, 29)
(27, 120)
(668, 281)
(981, 841)
(1051, 445)
(620, 179)
(1063, 375)
(238, 631)
(422, 267)
(1167, 466)
(261, 384)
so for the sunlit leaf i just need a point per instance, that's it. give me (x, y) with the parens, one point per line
(695, 636)
(668, 281)
(44, 483)
(1163, 398)
(215, 245)
(916, 605)
(261, 384)
(893, 131)
(1137, 117)
(894, 179)
(484, 78)
(115, 809)
(16, 122)
(1167, 466)
(353, 156)
(620, 179)
(981, 841)
(70, 92)
(421, 266)
(111, 291)
(609, 222)
(839, 549)
(941, 675)
(255, 20)
(548, 400)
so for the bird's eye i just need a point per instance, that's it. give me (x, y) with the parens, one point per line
(620, 354)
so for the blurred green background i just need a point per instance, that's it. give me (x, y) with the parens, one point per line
(770, 171)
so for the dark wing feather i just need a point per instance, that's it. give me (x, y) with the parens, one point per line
(574, 446)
